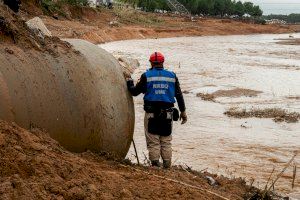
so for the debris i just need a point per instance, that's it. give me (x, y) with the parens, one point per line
(9, 51)
(135, 150)
(114, 23)
(237, 92)
(180, 183)
(290, 41)
(294, 97)
(294, 175)
(246, 125)
(207, 97)
(278, 115)
(38, 27)
(211, 181)
(280, 174)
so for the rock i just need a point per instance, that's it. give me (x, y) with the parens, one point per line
(9, 51)
(2, 139)
(211, 181)
(17, 147)
(38, 26)
(92, 188)
(246, 125)
(125, 194)
(114, 23)
(75, 193)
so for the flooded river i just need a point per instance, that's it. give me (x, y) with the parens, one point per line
(248, 148)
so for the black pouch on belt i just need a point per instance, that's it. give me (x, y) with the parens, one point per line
(161, 123)
(175, 114)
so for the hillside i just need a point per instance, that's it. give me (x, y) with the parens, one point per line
(104, 25)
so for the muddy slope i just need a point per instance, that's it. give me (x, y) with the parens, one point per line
(107, 26)
(103, 25)
(34, 166)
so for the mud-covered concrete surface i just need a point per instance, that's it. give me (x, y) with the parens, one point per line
(76, 92)
(34, 166)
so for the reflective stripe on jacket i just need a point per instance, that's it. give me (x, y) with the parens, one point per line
(160, 85)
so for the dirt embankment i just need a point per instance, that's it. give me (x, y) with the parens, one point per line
(14, 32)
(34, 166)
(102, 25)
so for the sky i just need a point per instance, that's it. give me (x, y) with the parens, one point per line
(278, 6)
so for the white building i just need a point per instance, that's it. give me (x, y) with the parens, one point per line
(100, 2)
(275, 21)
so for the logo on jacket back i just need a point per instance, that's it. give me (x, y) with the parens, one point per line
(160, 88)
(160, 85)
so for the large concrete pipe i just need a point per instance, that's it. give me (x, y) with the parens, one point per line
(80, 99)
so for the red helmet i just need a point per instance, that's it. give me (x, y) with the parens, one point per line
(157, 57)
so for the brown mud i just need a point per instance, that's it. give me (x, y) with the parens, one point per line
(237, 92)
(34, 166)
(278, 115)
(294, 97)
(206, 97)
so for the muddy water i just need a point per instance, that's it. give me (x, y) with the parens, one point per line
(211, 140)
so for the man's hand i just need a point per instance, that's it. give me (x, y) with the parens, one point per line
(183, 117)
(126, 74)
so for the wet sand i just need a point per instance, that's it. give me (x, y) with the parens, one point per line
(249, 148)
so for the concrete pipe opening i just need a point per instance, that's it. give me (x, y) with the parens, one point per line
(79, 97)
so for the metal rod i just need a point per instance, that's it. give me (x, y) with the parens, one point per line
(136, 154)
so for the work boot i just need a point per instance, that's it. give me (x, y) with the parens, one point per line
(167, 164)
(155, 163)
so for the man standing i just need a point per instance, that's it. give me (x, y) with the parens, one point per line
(160, 87)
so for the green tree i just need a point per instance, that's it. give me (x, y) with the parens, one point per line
(219, 7)
(206, 7)
(229, 7)
(257, 12)
(239, 9)
(248, 8)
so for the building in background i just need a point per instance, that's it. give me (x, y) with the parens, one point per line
(95, 3)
